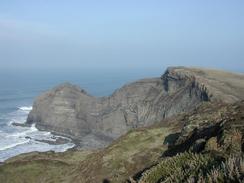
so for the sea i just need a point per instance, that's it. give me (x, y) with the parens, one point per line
(18, 90)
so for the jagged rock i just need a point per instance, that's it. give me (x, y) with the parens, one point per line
(214, 127)
(198, 146)
(69, 110)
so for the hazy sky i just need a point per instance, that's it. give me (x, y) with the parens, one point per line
(120, 34)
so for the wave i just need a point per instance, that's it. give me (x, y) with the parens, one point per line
(25, 108)
(24, 133)
(15, 140)
(19, 120)
(13, 145)
(19, 115)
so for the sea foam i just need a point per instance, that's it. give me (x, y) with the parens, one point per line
(25, 108)
(15, 140)
(14, 145)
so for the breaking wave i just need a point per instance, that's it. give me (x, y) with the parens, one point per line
(15, 140)
(25, 108)
(13, 145)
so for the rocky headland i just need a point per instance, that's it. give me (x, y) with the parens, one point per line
(185, 126)
(96, 122)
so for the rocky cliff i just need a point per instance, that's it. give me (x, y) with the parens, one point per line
(69, 110)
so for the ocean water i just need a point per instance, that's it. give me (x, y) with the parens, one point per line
(19, 89)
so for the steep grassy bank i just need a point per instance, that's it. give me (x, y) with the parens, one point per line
(205, 145)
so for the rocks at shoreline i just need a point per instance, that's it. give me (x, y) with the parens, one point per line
(21, 124)
(57, 141)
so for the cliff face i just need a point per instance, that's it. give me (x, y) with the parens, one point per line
(97, 121)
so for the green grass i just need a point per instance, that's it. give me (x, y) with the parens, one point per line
(123, 158)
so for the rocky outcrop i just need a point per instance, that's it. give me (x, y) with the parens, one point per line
(69, 110)
(211, 140)
(208, 121)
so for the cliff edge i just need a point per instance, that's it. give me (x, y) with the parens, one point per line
(69, 110)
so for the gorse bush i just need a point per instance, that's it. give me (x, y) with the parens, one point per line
(195, 168)
(230, 171)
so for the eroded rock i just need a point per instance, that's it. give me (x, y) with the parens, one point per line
(69, 110)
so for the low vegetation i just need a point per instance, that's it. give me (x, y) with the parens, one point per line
(191, 168)
(209, 149)
(203, 146)
(131, 153)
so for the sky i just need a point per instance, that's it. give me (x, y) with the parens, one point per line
(122, 34)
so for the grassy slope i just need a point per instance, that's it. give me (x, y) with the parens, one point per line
(41, 167)
(126, 156)
(224, 86)
(221, 150)
(143, 148)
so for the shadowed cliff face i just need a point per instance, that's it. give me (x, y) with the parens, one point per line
(97, 121)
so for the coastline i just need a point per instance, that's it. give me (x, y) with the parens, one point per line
(42, 141)
(60, 138)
